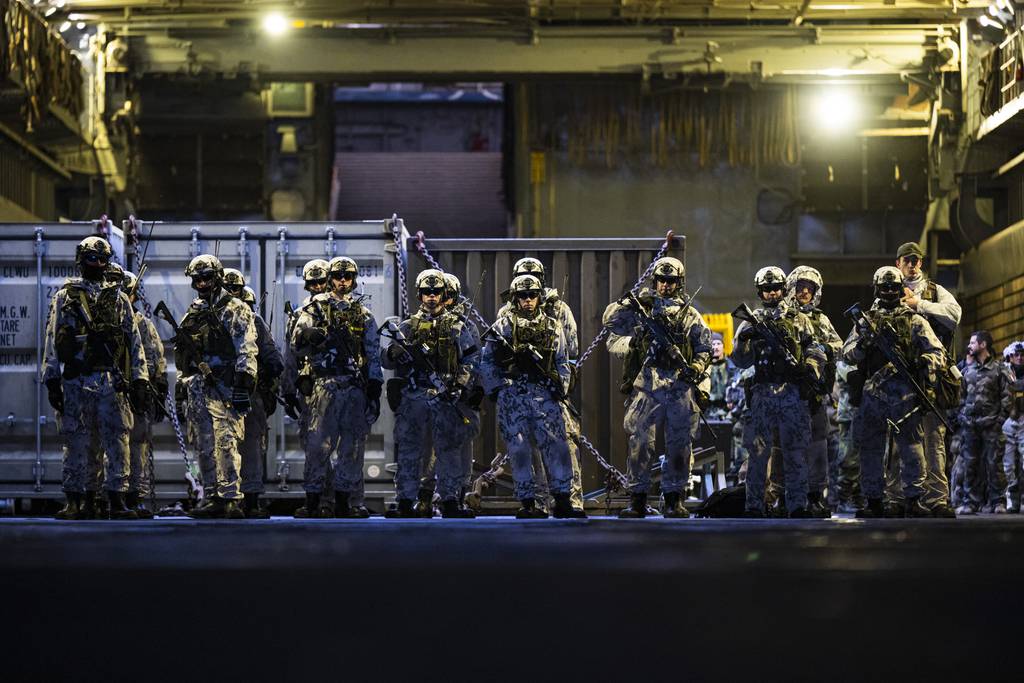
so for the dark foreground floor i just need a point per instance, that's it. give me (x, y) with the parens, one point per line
(497, 599)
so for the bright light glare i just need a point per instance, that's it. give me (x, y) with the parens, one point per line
(992, 23)
(65, 26)
(275, 23)
(835, 109)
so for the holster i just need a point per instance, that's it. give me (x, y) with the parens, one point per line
(393, 390)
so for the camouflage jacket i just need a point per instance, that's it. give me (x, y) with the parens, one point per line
(937, 306)
(800, 336)
(496, 366)
(224, 335)
(73, 328)
(916, 342)
(1016, 376)
(342, 321)
(554, 307)
(987, 399)
(721, 373)
(449, 344)
(682, 320)
(152, 346)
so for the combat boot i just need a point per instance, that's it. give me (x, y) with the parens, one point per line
(451, 509)
(72, 508)
(88, 509)
(133, 502)
(101, 503)
(916, 509)
(232, 511)
(637, 507)
(210, 508)
(799, 513)
(816, 506)
(404, 510)
(778, 510)
(425, 504)
(874, 510)
(311, 510)
(894, 510)
(118, 510)
(944, 511)
(674, 507)
(342, 510)
(563, 508)
(753, 514)
(251, 507)
(529, 510)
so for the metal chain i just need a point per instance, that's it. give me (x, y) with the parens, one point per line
(172, 410)
(403, 302)
(422, 248)
(151, 473)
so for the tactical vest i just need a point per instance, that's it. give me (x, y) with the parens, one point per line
(638, 349)
(900, 322)
(438, 337)
(773, 367)
(105, 347)
(539, 332)
(1017, 395)
(345, 329)
(829, 371)
(204, 327)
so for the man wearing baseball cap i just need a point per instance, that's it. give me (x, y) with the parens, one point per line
(941, 310)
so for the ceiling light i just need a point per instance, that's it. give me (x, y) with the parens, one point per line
(80, 25)
(65, 26)
(991, 23)
(835, 109)
(50, 12)
(275, 23)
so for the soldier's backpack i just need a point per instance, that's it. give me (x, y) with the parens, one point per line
(728, 502)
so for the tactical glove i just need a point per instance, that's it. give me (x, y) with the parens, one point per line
(180, 395)
(140, 397)
(747, 334)
(305, 385)
(292, 406)
(241, 393)
(55, 394)
(397, 354)
(373, 389)
(312, 336)
(161, 384)
(372, 409)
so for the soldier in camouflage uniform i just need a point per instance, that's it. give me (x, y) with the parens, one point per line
(337, 337)
(781, 386)
(721, 371)
(664, 390)
(941, 310)
(888, 397)
(434, 355)
(141, 437)
(555, 307)
(849, 495)
(93, 368)
(805, 288)
(269, 366)
(1013, 427)
(986, 405)
(215, 354)
(525, 369)
(455, 303)
(739, 416)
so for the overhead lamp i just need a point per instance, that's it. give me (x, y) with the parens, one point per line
(835, 109)
(80, 25)
(990, 23)
(275, 24)
(64, 27)
(50, 12)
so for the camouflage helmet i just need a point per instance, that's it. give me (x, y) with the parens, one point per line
(668, 266)
(808, 274)
(453, 284)
(1013, 347)
(529, 265)
(344, 264)
(430, 279)
(93, 246)
(233, 278)
(203, 264)
(315, 270)
(248, 296)
(769, 276)
(887, 275)
(526, 283)
(114, 273)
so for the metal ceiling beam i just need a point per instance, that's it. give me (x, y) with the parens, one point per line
(777, 55)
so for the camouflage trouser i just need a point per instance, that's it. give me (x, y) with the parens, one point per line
(833, 459)
(936, 484)
(217, 430)
(957, 475)
(777, 414)
(141, 444)
(428, 474)
(529, 419)
(672, 411)
(337, 422)
(871, 433)
(817, 459)
(739, 451)
(983, 467)
(540, 475)
(254, 447)
(96, 420)
(1013, 455)
(849, 467)
(421, 420)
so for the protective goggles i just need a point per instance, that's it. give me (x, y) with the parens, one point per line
(432, 291)
(528, 294)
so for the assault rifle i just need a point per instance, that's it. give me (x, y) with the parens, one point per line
(666, 340)
(777, 344)
(534, 359)
(438, 390)
(191, 351)
(883, 337)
